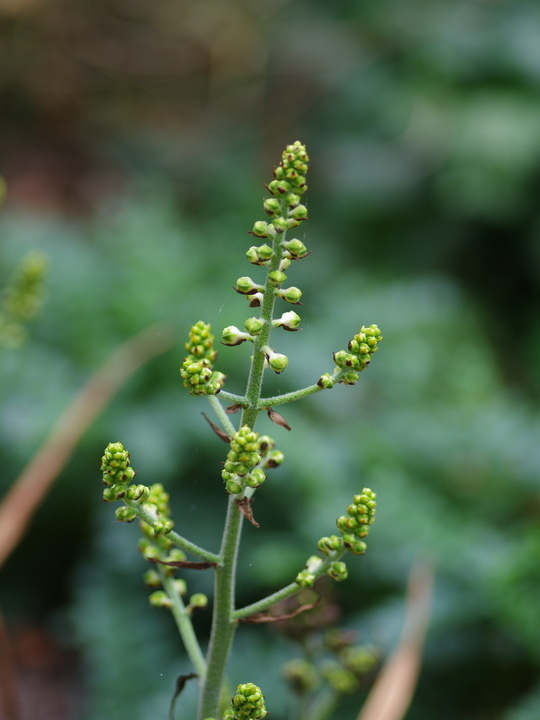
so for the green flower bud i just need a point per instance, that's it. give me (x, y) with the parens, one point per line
(254, 325)
(285, 262)
(276, 361)
(246, 286)
(292, 200)
(109, 494)
(288, 321)
(163, 526)
(326, 381)
(344, 359)
(346, 524)
(280, 224)
(291, 295)
(231, 335)
(350, 378)
(263, 229)
(279, 187)
(277, 277)
(233, 487)
(126, 514)
(358, 547)
(159, 598)
(198, 600)
(248, 703)
(255, 478)
(272, 207)
(138, 492)
(298, 213)
(328, 545)
(305, 579)
(259, 255)
(180, 586)
(337, 571)
(295, 248)
(152, 578)
(150, 552)
(264, 444)
(274, 458)
(120, 489)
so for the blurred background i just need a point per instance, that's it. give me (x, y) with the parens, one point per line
(134, 141)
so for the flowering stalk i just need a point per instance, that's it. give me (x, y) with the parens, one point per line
(250, 455)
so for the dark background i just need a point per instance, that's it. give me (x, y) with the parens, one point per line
(134, 139)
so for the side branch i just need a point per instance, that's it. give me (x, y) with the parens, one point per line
(284, 593)
(298, 394)
(173, 536)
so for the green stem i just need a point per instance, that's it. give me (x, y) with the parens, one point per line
(173, 536)
(222, 415)
(254, 384)
(288, 397)
(223, 626)
(230, 397)
(298, 394)
(284, 593)
(184, 624)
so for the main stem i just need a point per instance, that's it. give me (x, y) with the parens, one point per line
(223, 624)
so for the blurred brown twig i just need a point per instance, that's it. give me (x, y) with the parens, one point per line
(394, 687)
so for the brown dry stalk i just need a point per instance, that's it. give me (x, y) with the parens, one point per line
(29, 489)
(396, 682)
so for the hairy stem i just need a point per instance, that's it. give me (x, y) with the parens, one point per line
(184, 624)
(174, 537)
(223, 626)
(222, 415)
(284, 593)
(298, 394)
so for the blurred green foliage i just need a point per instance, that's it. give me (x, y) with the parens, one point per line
(134, 137)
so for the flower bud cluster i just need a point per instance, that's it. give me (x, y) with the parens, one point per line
(358, 355)
(197, 369)
(307, 577)
(285, 211)
(22, 299)
(248, 703)
(117, 475)
(157, 505)
(249, 454)
(355, 525)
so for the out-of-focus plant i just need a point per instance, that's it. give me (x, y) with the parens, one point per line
(249, 458)
(22, 298)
